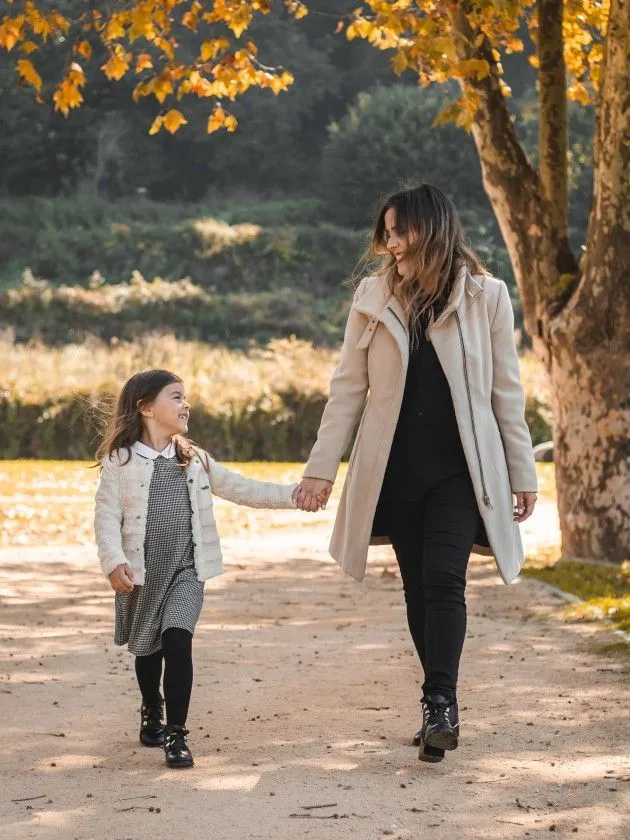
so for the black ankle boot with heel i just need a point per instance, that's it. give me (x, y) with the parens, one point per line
(152, 724)
(440, 727)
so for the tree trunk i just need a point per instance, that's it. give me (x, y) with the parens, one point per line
(580, 324)
(590, 338)
(553, 136)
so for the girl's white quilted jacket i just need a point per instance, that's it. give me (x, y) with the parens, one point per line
(122, 499)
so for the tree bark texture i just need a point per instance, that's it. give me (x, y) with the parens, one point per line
(553, 137)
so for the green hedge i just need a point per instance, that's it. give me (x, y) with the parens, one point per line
(254, 247)
(279, 427)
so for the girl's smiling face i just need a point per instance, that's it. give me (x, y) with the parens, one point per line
(170, 410)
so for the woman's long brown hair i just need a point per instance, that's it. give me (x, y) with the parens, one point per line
(124, 425)
(439, 250)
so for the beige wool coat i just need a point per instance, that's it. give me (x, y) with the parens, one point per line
(474, 341)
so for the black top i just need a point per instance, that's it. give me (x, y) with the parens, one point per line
(426, 445)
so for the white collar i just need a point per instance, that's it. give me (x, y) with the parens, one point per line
(146, 451)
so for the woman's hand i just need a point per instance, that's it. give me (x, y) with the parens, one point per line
(524, 507)
(121, 579)
(312, 493)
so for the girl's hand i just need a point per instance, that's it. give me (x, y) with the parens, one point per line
(524, 507)
(121, 579)
(311, 493)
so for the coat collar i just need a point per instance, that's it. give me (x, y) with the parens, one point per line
(377, 298)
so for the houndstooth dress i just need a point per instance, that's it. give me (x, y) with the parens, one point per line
(171, 596)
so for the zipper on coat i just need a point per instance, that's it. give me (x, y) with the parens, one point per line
(486, 497)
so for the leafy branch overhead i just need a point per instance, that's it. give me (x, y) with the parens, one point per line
(148, 38)
(151, 39)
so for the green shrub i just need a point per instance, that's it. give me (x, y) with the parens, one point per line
(281, 427)
(384, 140)
(222, 248)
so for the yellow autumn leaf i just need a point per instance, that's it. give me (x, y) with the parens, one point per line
(117, 64)
(173, 119)
(157, 124)
(142, 89)
(216, 120)
(208, 50)
(28, 47)
(231, 123)
(115, 28)
(28, 72)
(9, 35)
(40, 25)
(190, 20)
(399, 63)
(299, 11)
(84, 48)
(67, 96)
(161, 88)
(276, 85)
(143, 62)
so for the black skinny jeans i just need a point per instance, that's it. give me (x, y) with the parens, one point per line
(433, 538)
(178, 674)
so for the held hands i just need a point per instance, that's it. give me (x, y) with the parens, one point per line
(311, 494)
(121, 579)
(524, 507)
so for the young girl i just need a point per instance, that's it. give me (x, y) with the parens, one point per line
(158, 542)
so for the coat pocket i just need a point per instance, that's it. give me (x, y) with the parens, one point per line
(368, 334)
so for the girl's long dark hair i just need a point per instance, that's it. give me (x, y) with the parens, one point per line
(124, 425)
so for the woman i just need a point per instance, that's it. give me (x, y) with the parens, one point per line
(429, 361)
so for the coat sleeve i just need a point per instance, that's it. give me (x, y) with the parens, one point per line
(247, 491)
(108, 518)
(348, 391)
(508, 399)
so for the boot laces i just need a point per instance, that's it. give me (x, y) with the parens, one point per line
(176, 739)
(437, 711)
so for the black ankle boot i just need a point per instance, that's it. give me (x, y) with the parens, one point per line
(440, 725)
(454, 716)
(176, 749)
(152, 724)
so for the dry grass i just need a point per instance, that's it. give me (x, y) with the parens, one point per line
(213, 375)
(36, 373)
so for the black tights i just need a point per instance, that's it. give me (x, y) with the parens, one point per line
(178, 674)
(433, 539)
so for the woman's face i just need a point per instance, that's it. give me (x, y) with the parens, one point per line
(397, 242)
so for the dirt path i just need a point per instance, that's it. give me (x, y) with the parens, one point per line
(306, 694)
